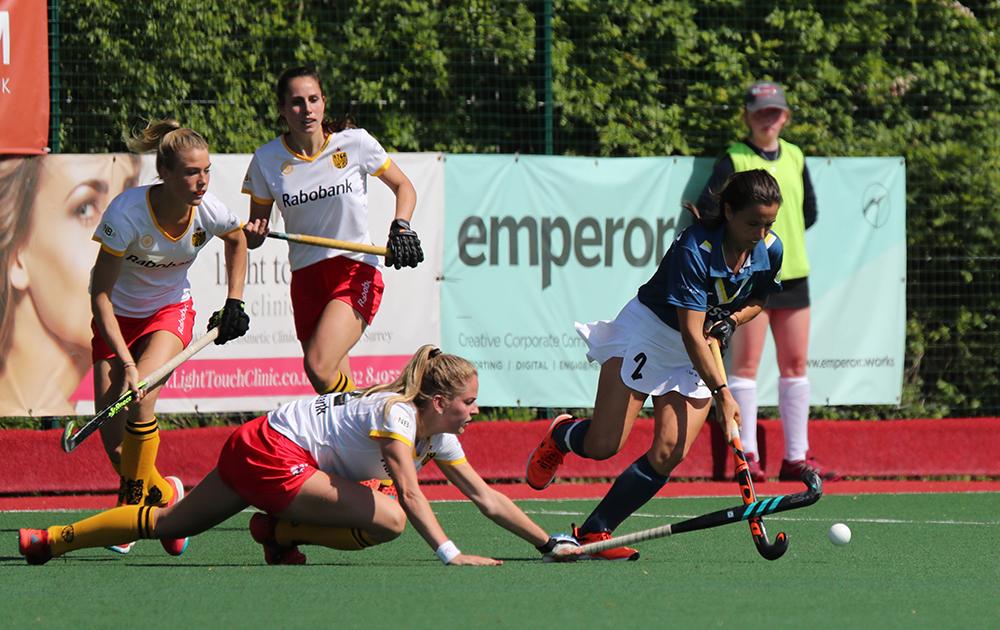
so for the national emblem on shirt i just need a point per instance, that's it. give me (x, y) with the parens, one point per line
(286, 167)
(340, 159)
(427, 457)
(146, 241)
(198, 237)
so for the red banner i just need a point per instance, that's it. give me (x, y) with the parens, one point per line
(24, 77)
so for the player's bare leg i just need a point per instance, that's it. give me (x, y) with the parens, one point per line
(600, 437)
(208, 504)
(615, 410)
(326, 352)
(108, 372)
(329, 511)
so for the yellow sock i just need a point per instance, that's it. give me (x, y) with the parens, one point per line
(112, 527)
(341, 383)
(142, 482)
(345, 538)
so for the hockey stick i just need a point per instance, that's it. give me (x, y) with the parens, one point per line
(766, 548)
(71, 440)
(321, 241)
(755, 509)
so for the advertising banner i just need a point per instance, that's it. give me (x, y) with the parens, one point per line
(50, 206)
(24, 77)
(518, 248)
(53, 204)
(536, 243)
(264, 368)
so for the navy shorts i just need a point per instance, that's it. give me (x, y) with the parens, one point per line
(793, 294)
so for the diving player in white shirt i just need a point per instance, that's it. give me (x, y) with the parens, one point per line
(318, 177)
(301, 464)
(141, 302)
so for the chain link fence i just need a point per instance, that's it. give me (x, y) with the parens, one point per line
(626, 78)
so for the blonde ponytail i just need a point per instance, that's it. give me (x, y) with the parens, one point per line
(168, 138)
(429, 372)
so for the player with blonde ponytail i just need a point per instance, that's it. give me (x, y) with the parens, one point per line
(141, 297)
(300, 464)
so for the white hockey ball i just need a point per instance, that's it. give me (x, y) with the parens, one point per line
(839, 534)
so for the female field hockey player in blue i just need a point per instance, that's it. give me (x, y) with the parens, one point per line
(301, 464)
(715, 276)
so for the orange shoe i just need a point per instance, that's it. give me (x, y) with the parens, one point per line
(616, 553)
(34, 545)
(545, 460)
(175, 546)
(385, 486)
(262, 531)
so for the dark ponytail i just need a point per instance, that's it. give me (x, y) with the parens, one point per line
(740, 191)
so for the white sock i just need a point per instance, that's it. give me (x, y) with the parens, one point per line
(793, 405)
(744, 390)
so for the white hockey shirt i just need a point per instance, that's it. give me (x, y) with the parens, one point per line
(340, 433)
(155, 264)
(325, 194)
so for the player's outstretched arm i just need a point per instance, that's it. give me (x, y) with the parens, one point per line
(398, 458)
(501, 510)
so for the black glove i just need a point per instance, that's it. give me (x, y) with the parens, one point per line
(723, 331)
(231, 320)
(404, 246)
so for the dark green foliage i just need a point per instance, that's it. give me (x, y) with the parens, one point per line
(630, 78)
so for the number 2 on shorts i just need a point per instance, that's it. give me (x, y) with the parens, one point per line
(640, 360)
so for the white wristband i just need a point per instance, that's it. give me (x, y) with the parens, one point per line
(447, 552)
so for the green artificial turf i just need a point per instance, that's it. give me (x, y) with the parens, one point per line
(928, 561)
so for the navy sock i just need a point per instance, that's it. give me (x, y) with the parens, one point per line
(577, 431)
(576, 436)
(633, 488)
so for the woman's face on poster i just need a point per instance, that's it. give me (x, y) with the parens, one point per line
(73, 193)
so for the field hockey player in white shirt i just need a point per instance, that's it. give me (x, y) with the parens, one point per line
(301, 464)
(141, 301)
(317, 175)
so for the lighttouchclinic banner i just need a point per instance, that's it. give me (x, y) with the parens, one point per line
(535, 243)
(52, 210)
(264, 368)
(24, 77)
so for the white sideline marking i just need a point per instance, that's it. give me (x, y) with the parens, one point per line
(799, 519)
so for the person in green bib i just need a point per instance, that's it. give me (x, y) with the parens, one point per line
(787, 313)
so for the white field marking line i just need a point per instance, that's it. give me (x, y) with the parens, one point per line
(773, 517)
(770, 518)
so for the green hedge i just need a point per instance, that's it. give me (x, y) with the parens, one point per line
(630, 77)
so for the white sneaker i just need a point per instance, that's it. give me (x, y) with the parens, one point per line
(121, 549)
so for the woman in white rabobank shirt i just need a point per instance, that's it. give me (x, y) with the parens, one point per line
(141, 298)
(318, 177)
